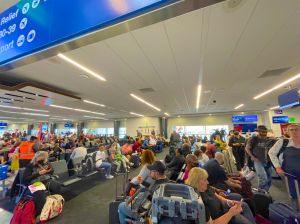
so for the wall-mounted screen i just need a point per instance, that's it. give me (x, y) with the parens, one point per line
(280, 119)
(3, 124)
(246, 118)
(69, 125)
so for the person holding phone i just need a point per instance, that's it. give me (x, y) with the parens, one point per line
(39, 170)
(217, 208)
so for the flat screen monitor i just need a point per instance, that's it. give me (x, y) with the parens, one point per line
(3, 124)
(68, 125)
(280, 119)
(289, 99)
(245, 127)
(246, 118)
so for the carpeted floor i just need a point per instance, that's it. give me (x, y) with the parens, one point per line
(87, 201)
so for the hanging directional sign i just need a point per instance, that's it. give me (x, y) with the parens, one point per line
(34, 25)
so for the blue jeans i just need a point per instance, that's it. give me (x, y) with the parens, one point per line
(107, 167)
(124, 212)
(264, 174)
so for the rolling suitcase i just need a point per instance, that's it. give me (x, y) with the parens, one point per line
(113, 206)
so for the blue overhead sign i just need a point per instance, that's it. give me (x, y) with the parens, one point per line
(280, 119)
(246, 118)
(2, 124)
(34, 25)
(68, 125)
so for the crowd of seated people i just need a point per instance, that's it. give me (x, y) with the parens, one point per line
(227, 197)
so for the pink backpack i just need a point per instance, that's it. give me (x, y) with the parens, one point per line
(24, 212)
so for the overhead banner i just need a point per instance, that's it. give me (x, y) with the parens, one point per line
(34, 25)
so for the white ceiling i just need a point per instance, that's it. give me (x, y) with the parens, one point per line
(225, 49)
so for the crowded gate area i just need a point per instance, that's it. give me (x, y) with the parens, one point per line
(153, 111)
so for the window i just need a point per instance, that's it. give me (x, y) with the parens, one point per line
(200, 130)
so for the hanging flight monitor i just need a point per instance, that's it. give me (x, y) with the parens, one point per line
(3, 124)
(246, 118)
(69, 125)
(280, 119)
(34, 25)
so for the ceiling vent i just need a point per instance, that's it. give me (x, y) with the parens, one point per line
(273, 73)
(147, 90)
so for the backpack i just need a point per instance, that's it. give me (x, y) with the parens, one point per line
(52, 208)
(283, 147)
(24, 212)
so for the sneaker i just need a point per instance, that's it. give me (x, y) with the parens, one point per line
(131, 164)
(109, 177)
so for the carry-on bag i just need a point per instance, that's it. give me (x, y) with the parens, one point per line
(281, 213)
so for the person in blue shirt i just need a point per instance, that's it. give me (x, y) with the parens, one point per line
(146, 142)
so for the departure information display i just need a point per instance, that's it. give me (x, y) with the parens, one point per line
(246, 118)
(280, 119)
(34, 25)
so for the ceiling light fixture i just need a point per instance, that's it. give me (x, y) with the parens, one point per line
(136, 114)
(276, 107)
(29, 109)
(239, 106)
(90, 102)
(143, 101)
(167, 114)
(23, 108)
(34, 114)
(81, 67)
(198, 96)
(277, 86)
(101, 118)
(76, 109)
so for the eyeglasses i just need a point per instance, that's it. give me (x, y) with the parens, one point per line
(294, 129)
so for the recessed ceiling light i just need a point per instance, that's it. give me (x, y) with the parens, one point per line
(167, 114)
(198, 96)
(140, 115)
(210, 115)
(145, 102)
(277, 86)
(242, 112)
(239, 106)
(90, 102)
(178, 116)
(76, 64)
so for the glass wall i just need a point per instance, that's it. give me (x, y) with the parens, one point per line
(122, 132)
(99, 131)
(200, 130)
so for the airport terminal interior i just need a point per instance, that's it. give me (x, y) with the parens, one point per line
(149, 111)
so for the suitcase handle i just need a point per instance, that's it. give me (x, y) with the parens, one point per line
(292, 176)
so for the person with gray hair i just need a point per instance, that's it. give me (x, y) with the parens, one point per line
(39, 170)
(217, 175)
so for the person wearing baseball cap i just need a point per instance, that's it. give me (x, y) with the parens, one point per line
(157, 173)
(285, 155)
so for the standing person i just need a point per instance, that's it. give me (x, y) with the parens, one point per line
(174, 138)
(237, 142)
(289, 155)
(27, 151)
(257, 150)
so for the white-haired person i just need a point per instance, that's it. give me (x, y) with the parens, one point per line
(39, 170)
(217, 208)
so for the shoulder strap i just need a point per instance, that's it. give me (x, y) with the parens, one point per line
(283, 147)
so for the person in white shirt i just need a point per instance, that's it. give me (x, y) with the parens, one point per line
(80, 151)
(100, 157)
(202, 157)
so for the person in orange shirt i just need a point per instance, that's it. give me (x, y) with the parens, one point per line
(127, 148)
(27, 151)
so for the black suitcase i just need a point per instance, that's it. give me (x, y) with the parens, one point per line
(261, 203)
(113, 206)
(113, 212)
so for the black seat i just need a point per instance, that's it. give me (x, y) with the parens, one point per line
(61, 171)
